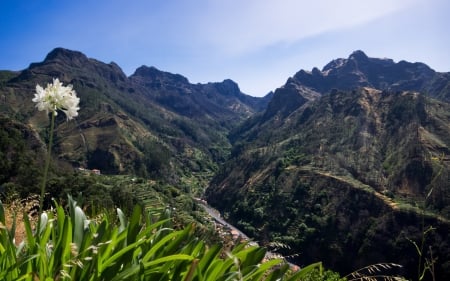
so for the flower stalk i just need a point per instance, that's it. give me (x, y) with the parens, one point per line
(51, 99)
(47, 163)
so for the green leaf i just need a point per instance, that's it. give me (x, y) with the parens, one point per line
(118, 256)
(128, 273)
(149, 267)
(218, 268)
(261, 269)
(12, 230)
(178, 257)
(159, 247)
(134, 226)
(46, 229)
(150, 227)
(183, 236)
(78, 227)
(43, 222)
(304, 272)
(30, 238)
(277, 273)
(122, 220)
(209, 257)
(251, 256)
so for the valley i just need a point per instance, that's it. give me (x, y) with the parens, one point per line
(347, 165)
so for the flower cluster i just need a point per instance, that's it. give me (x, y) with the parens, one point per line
(56, 96)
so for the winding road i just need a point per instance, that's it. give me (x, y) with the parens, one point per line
(218, 218)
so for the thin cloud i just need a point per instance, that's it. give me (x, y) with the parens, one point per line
(238, 27)
(257, 43)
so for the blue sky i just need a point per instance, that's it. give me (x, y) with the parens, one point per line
(257, 43)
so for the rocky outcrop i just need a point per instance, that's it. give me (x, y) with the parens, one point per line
(359, 70)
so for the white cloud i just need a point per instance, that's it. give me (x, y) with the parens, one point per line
(237, 27)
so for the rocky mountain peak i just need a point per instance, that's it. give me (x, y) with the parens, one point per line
(360, 70)
(336, 63)
(316, 72)
(62, 63)
(288, 98)
(231, 84)
(152, 74)
(358, 56)
(62, 52)
(228, 88)
(357, 60)
(66, 56)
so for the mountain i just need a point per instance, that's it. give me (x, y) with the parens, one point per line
(346, 165)
(153, 123)
(213, 100)
(358, 70)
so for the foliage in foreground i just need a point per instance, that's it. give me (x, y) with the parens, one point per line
(66, 245)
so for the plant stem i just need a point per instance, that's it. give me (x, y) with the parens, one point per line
(47, 163)
(192, 269)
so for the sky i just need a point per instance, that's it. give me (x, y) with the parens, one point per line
(257, 43)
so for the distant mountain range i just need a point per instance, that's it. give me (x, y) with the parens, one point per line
(341, 164)
(358, 70)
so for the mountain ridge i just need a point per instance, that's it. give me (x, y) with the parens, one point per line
(122, 118)
(299, 170)
(318, 164)
(359, 70)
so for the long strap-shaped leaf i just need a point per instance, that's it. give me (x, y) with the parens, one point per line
(304, 272)
(120, 254)
(160, 245)
(149, 267)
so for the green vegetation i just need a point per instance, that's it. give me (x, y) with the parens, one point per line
(19, 158)
(147, 124)
(66, 245)
(343, 178)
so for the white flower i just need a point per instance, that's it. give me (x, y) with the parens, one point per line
(56, 96)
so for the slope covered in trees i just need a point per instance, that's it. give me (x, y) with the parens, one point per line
(347, 165)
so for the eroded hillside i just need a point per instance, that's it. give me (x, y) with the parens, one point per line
(153, 123)
(345, 165)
